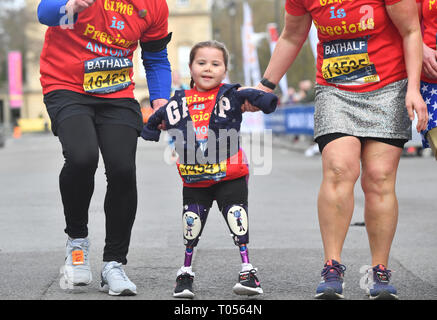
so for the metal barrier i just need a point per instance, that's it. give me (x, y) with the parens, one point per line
(291, 119)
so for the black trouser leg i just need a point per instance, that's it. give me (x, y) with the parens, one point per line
(76, 180)
(118, 144)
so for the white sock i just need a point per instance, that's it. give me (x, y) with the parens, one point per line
(246, 267)
(184, 269)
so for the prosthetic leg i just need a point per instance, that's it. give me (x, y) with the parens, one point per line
(193, 220)
(237, 220)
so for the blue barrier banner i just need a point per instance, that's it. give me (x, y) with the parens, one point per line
(294, 119)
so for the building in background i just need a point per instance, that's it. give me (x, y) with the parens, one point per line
(190, 22)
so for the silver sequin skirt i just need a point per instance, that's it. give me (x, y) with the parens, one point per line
(380, 113)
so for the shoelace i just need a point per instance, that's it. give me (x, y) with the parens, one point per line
(185, 279)
(247, 275)
(185, 276)
(253, 275)
(116, 271)
(328, 275)
(382, 275)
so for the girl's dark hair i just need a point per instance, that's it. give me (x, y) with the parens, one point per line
(208, 44)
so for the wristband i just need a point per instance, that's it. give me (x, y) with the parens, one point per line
(267, 83)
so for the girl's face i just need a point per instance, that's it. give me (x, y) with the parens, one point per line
(208, 68)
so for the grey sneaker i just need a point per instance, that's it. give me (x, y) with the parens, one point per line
(76, 270)
(115, 280)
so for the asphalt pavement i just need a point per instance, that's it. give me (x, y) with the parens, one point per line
(285, 243)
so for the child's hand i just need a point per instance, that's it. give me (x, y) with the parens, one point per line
(156, 105)
(162, 126)
(247, 106)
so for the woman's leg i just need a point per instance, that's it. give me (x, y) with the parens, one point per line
(76, 180)
(118, 144)
(341, 169)
(380, 162)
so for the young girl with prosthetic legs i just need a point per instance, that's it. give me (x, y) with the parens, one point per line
(210, 116)
(231, 197)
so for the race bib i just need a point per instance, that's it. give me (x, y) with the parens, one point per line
(107, 75)
(202, 172)
(347, 62)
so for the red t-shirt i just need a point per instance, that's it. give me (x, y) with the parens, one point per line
(429, 23)
(95, 56)
(200, 106)
(359, 47)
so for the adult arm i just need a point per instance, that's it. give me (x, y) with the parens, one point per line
(287, 48)
(154, 54)
(51, 12)
(409, 29)
(158, 70)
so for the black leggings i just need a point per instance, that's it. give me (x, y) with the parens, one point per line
(81, 140)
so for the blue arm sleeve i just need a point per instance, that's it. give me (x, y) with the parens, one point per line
(49, 12)
(158, 74)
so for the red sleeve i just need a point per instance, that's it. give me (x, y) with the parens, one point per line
(390, 2)
(159, 22)
(295, 7)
